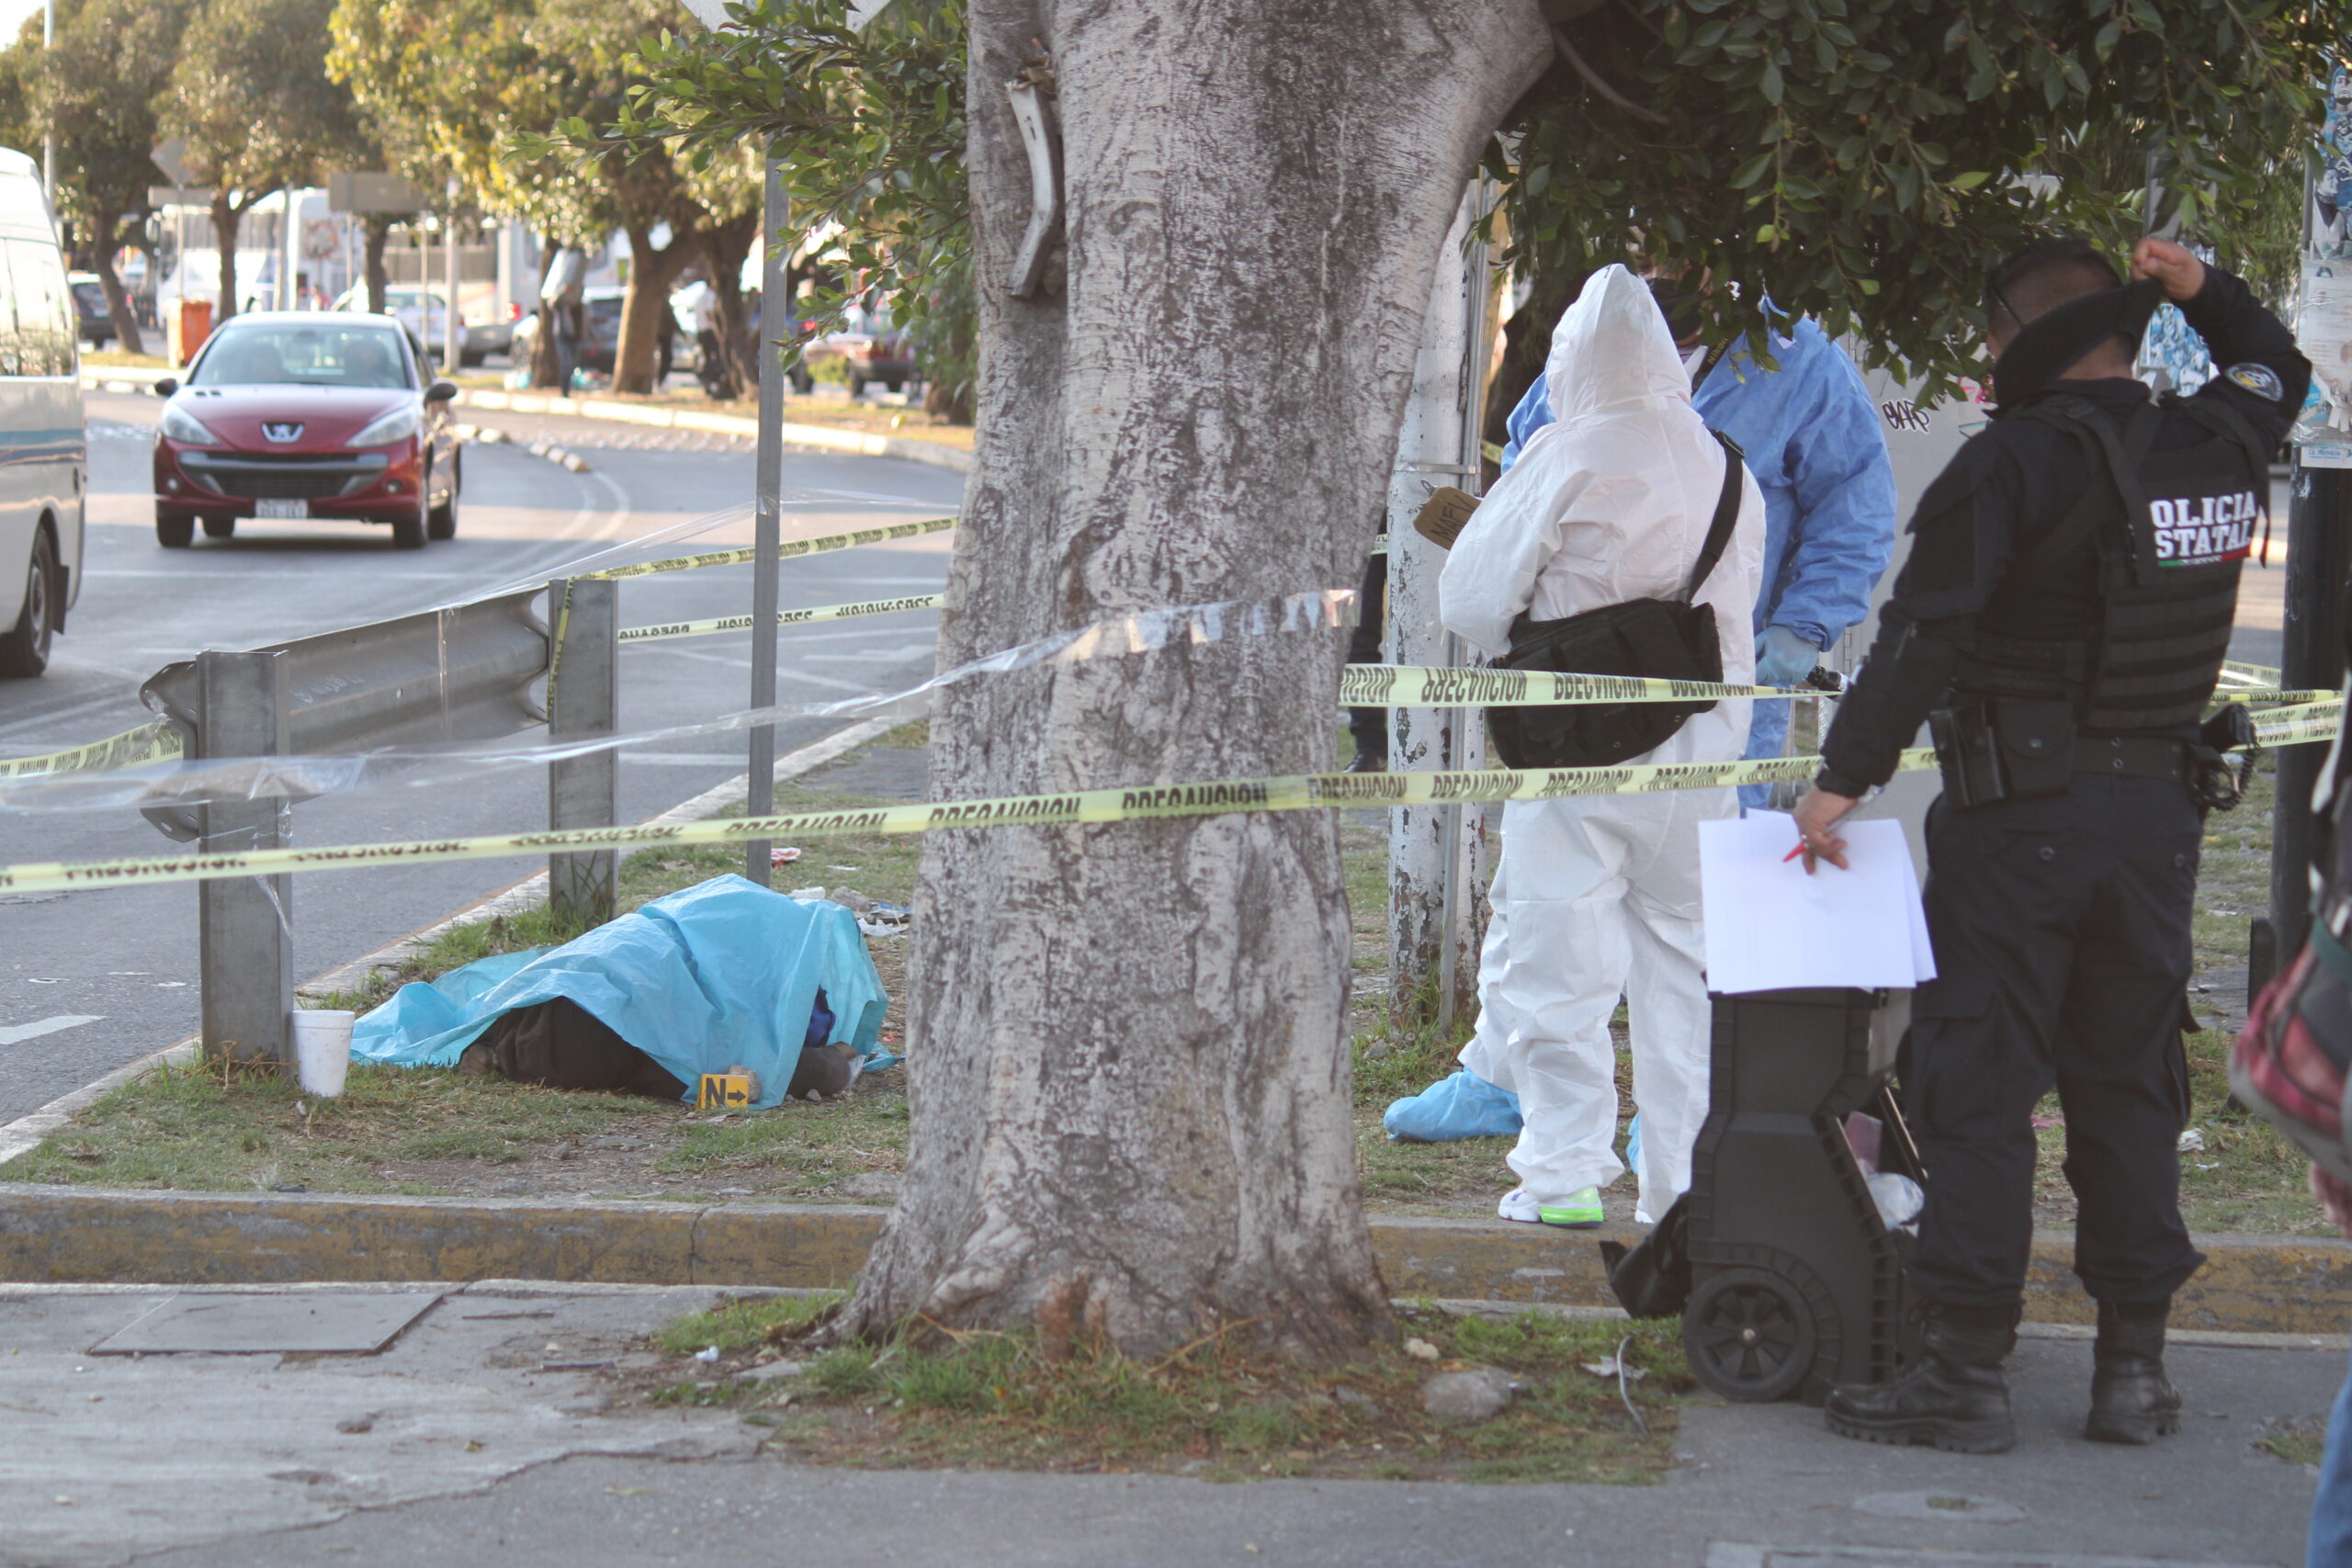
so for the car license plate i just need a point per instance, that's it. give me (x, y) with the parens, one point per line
(281, 508)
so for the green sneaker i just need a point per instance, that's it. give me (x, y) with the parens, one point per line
(1582, 1210)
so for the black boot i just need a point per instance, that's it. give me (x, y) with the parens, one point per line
(2132, 1400)
(1953, 1397)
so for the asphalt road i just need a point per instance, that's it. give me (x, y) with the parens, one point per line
(91, 980)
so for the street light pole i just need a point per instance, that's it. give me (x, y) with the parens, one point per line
(768, 502)
(450, 354)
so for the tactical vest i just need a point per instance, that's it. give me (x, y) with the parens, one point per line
(2172, 525)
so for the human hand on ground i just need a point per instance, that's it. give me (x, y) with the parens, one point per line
(1818, 813)
(2172, 266)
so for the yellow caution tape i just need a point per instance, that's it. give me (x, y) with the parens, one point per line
(785, 551)
(783, 618)
(1420, 686)
(2231, 667)
(1294, 792)
(152, 742)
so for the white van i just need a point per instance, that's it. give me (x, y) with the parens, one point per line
(43, 455)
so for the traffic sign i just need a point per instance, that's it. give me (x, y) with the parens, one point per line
(354, 190)
(159, 197)
(171, 158)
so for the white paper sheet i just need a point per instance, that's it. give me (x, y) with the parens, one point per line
(1770, 927)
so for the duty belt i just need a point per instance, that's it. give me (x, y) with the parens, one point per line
(2140, 756)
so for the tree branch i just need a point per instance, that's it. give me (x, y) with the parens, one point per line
(1592, 79)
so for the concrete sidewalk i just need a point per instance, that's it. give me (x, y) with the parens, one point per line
(478, 1437)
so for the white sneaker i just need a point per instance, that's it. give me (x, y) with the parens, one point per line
(1581, 1210)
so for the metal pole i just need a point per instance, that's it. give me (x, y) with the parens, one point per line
(287, 249)
(584, 700)
(245, 925)
(767, 522)
(453, 352)
(2319, 565)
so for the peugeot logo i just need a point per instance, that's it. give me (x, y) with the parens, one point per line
(274, 430)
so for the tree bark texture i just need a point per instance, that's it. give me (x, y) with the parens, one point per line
(1128, 1063)
(724, 248)
(105, 227)
(644, 305)
(378, 233)
(227, 218)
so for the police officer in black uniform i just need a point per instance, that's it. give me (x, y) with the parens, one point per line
(2060, 624)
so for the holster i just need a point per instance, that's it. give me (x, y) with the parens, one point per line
(2004, 748)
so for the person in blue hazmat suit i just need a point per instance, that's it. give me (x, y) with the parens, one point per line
(1598, 895)
(1813, 442)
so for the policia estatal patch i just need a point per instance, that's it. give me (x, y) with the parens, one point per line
(2259, 379)
(2206, 530)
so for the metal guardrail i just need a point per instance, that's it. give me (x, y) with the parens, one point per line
(462, 674)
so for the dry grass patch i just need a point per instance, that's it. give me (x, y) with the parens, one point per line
(1215, 1409)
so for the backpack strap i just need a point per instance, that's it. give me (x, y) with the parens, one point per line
(1726, 516)
(2102, 448)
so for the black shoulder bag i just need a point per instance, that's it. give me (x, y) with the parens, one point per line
(1670, 639)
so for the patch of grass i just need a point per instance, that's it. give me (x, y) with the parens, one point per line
(455, 948)
(191, 1128)
(2234, 873)
(739, 1323)
(2297, 1439)
(814, 1148)
(1216, 1408)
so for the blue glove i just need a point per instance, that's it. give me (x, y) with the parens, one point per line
(1784, 657)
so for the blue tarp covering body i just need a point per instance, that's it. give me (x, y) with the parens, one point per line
(720, 974)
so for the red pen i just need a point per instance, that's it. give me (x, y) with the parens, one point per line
(1793, 853)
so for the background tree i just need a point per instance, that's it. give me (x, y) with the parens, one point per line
(871, 128)
(1128, 1071)
(96, 92)
(1855, 160)
(251, 95)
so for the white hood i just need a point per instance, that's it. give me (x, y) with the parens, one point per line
(1612, 503)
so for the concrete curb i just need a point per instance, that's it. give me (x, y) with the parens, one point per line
(865, 442)
(122, 378)
(78, 1235)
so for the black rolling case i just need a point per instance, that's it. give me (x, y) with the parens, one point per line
(1795, 1283)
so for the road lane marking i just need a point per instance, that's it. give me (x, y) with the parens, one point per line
(20, 1033)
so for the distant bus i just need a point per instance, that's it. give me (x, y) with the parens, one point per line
(43, 453)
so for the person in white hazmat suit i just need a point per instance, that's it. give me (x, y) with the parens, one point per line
(1598, 895)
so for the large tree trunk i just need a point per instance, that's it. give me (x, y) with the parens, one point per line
(643, 306)
(227, 216)
(127, 339)
(1129, 1069)
(724, 247)
(378, 232)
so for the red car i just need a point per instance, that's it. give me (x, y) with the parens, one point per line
(307, 415)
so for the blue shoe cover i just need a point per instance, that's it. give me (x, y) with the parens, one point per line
(1464, 1106)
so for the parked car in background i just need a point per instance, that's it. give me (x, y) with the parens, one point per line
(601, 351)
(866, 350)
(424, 313)
(92, 318)
(290, 414)
(42, 483)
